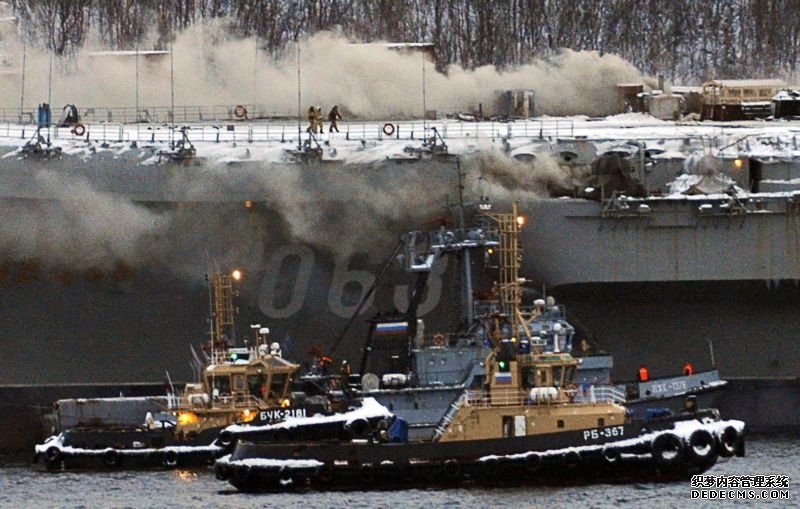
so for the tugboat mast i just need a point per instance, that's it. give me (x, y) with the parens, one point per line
(510, 253)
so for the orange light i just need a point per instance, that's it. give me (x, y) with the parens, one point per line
(248, 204)
(738, 163)
(237, 275)
(185, 418)
(520, 220)
(285, 403)
(246, 415)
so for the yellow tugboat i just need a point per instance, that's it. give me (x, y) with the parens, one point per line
(522, 425)
(237, 384)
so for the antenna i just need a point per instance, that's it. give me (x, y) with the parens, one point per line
(299, 107)
(172, 90)
(255, 77)
(49, 91)
(424, 103)
(22, 86)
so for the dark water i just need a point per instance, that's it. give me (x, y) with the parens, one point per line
(23, 487)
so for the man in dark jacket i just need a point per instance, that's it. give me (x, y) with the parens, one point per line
(333, 117)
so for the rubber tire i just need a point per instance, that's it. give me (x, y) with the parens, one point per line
(112, 458)
(170, 459)
(702, 438)
(728, 441)
(52, 455)
(220, 472)
(664, 442)
(533, 462)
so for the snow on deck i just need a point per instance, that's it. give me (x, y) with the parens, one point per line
(58, 442)
(365, 142)
(369, 409)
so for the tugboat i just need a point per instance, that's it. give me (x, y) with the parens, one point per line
(237, 384)
(518, 421)
(646, 397)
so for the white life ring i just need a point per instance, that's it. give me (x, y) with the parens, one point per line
(240, 111)
(388, 129)
(78, 130)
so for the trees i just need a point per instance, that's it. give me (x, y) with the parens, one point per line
(686, 40)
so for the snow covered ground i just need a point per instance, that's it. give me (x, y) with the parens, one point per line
(368, 142)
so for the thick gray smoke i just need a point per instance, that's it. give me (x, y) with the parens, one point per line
(212, 67)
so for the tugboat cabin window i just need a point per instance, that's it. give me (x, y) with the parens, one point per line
(257, 385)
(557, 372)
(560, 423)
(238, 383)
(221, 385)
(277, 384)
(528, 377)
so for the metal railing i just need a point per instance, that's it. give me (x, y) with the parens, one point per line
(600, 393)
(286, 132)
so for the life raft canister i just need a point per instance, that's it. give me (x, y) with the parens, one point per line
(240, 111)
(388, 129)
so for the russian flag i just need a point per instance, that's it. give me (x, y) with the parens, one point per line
(391, 328)
(501, 377)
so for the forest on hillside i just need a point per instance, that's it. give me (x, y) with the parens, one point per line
(685, 40)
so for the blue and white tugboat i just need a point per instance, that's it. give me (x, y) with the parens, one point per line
(519, 422)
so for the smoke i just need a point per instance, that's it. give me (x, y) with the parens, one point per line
(212, 67)
(512, 179)
(80, 228)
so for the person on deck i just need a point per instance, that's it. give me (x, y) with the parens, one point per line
(333, 117)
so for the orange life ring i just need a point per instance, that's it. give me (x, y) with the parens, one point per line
(438, 339)
(388, 129)
(78, 130)
(240, 111)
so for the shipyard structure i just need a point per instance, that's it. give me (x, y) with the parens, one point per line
(667, 242)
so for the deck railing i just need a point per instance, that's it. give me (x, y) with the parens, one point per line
(287, 132)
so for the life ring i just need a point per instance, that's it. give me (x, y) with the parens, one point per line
(702, 447)
(667, 449)
(220, 472)
(111, 458)
(727, 442)
(170, 459)
(533, 462)
(78, 130)
(438, 339)
(240, 111)
(452, 470)
(52, 454)
(388, 129)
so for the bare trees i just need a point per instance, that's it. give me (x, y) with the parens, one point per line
(684, 39)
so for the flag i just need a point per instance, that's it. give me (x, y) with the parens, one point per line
(502, 377)
(391, 328)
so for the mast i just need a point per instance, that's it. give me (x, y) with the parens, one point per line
(510, 254)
